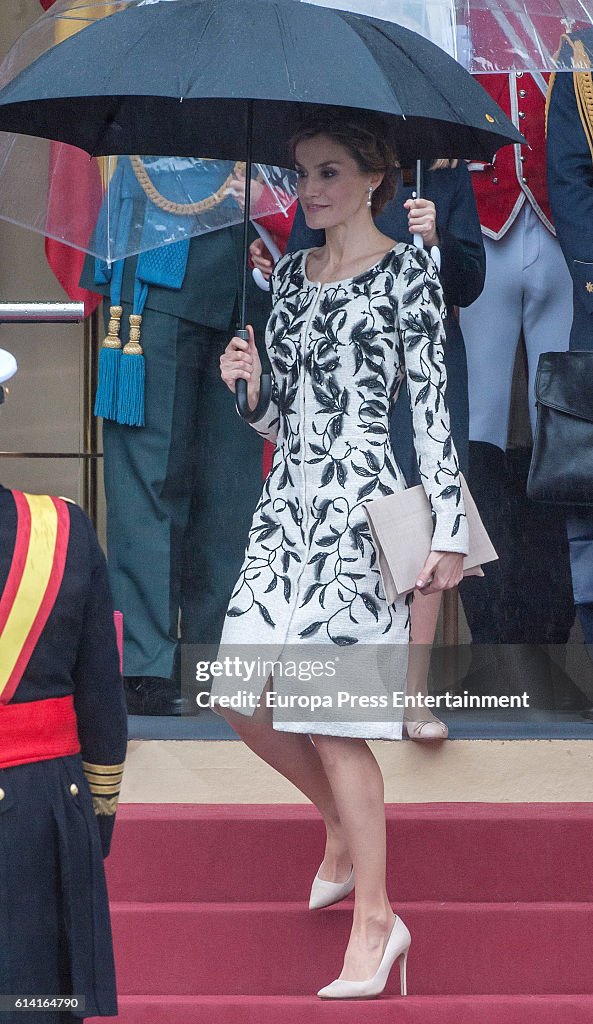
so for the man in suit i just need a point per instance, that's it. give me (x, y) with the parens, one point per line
(181, 489)
(570, 184)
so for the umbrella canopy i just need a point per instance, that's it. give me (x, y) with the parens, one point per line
(183, 77)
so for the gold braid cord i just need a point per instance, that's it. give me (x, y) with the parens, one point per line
(582, 83)
(181, 209)
(133, 347)
(112, 340)
(548, 98)
(583, 89)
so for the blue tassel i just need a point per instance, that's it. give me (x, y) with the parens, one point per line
(109, 366)
(130, 399)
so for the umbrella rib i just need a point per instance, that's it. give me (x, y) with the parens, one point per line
(382, 33)
(282, 35)
(421, 71)
(388, 81)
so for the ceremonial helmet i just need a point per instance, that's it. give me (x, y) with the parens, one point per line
(8, 368)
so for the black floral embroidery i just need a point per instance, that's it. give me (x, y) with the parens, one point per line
(339, 354)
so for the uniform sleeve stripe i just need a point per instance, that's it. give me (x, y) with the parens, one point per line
(108, 789)
(104, 780)
(103, 769)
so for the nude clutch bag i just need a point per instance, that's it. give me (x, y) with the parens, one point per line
(401, 527)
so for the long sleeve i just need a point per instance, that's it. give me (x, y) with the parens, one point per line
(268, 424)
(463, 259)
(570, 182)
(98, 696)
(421, 309)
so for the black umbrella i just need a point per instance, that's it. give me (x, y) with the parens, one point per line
(176, 79)
(230, 78)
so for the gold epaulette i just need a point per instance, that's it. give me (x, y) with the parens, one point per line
(582, 83)
(583, 89)
(104, 783)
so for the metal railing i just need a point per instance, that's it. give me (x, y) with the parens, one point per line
(68, 313)
(41, 312)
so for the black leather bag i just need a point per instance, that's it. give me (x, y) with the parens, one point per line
(561, 468)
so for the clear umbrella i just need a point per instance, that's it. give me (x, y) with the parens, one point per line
(116, 207)
(486, 35)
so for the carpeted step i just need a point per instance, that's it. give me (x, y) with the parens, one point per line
(466, 852)
(285, 949)
(498, 1009)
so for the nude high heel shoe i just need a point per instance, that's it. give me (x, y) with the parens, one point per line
(398, 945)
(323, 893)
(433, 731)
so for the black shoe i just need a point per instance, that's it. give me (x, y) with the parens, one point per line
(153, 695)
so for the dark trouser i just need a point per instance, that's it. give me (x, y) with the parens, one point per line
(180, 496)
(585, 612)
(525, 597)
(525, 600)
(579, 522)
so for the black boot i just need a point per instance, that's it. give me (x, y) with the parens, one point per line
(153, 695)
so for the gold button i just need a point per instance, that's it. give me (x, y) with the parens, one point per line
(495, 181)
(2, 794)
(519, 74)
(74, 789)
(588, 286)
(524, 180)
(522, 93)
(521, 114)
(521, 158)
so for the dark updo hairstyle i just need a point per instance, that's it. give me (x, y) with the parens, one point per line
(365, 134)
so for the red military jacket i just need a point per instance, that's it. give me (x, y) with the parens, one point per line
(518, 173)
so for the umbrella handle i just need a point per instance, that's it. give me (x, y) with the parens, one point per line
(265, 393)
(260, 280)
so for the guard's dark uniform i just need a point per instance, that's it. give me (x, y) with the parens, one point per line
(57, 805)
(570, 186)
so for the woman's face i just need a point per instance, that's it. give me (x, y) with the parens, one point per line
(330, 185)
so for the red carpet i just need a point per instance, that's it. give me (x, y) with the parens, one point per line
(211, 922)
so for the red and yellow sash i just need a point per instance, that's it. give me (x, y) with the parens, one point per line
(43, 526)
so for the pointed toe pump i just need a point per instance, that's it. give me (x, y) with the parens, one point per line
(398, 945)
(323, 893)
(426, 732)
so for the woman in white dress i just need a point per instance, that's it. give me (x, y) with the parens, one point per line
(350, 321)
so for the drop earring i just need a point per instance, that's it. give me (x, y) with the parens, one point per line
(370, 198)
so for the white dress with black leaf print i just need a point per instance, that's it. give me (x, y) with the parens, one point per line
(339, 353)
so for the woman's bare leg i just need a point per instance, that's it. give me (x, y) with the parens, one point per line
(357, 785)
(424, 617)
(295, 757)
